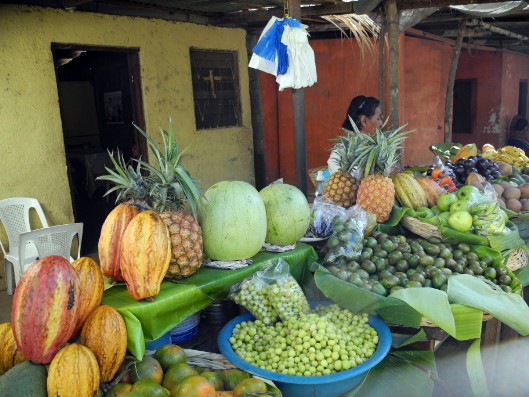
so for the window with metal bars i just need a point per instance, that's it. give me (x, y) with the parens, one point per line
(216, 91)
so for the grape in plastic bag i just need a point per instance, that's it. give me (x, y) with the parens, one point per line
(252, 294)
(348, 233)
(285, 294)
(323, 212)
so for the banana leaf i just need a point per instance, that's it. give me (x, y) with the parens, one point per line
(509, 308)
(475, 370)
(405, 307)
(399, 375)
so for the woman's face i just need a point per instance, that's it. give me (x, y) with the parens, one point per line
(370, 124)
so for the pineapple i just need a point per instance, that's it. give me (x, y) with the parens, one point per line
(167, 189)
(342, 186)
(377, 157)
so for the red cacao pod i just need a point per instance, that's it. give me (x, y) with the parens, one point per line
(92, 286)
(109, 246)
(45, 308)
(105, 334)
(145, 254)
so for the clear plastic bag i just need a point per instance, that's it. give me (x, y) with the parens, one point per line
(323, 212)
(271, 293)
(285, 294)
(348, 233)
(487, 216)
(252, 294)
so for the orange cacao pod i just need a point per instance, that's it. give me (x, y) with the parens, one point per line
(105, 334)
(109, 246)
(73, 372)
(92, 286)
(9, 354)
(45, 308)
(145, 254)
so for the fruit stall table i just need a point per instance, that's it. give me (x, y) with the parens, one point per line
(179, 300)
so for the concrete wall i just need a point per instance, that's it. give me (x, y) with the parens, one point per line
(31, 137)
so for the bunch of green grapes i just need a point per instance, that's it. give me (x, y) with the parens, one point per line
(326, 341)
(253, 296)
(288, 299)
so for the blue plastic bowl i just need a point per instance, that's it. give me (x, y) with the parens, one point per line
(310, 386)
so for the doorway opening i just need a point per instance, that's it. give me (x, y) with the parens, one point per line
(99, 97)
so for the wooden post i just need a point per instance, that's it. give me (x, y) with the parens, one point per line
(392, 16)
(382, 61)
(451, 81)
(298, 112)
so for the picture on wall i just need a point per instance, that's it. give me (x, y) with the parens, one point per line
(113, 107)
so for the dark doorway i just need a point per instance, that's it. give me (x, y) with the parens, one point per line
(99, 96)
(522, 98)
(463, 106)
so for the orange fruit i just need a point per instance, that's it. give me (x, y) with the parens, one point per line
(169, 355)
(118, 390)
(148, 387)
(214, 379)
(250, 385)
(148, 368)
(194, 386)
(177, 373)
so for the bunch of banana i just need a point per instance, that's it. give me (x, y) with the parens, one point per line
(488, 219)
(510, 155)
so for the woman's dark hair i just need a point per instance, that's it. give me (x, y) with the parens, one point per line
(360, 106)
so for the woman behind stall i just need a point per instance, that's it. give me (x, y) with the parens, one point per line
(365, 113)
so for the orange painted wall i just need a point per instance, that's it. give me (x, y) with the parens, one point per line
(515, 69)
(424, 68)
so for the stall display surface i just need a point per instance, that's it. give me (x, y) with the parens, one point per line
(147, 321)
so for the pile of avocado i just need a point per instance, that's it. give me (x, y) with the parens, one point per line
(388, 263)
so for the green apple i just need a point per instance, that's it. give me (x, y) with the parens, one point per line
(444, 201)
(443, 218)
(468, 191)
(460, 221)
(460, 205)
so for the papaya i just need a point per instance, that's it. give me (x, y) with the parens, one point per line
(465, 152)
(23, 380)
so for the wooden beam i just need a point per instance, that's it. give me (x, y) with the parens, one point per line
(451, 80)
(261, 16)
(392, 16)
(67, 4)
(410, 4)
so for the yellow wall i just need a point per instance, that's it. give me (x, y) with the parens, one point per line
(31, 140)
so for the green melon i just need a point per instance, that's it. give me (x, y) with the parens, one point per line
(233, 221)
(287, 213)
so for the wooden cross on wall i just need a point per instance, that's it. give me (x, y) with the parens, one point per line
(212, 78)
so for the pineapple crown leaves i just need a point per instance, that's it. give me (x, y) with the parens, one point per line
(378, 152)
(171, 185)
(128, 182)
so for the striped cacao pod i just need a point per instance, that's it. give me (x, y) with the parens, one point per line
(431, 189)
(45, 308)
(92, 286)
(73, 372)
(105, 334)
(109, 246)
(9, 354)
(145, 254)
(408, 191)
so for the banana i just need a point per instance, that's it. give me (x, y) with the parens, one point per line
(512, 150)
(505, 159)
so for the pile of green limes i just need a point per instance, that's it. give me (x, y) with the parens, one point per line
(388, 263)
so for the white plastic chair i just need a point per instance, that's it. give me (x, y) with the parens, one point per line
(54, 240)
(15, 215)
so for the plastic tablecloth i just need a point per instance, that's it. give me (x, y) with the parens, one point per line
(147, 321)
